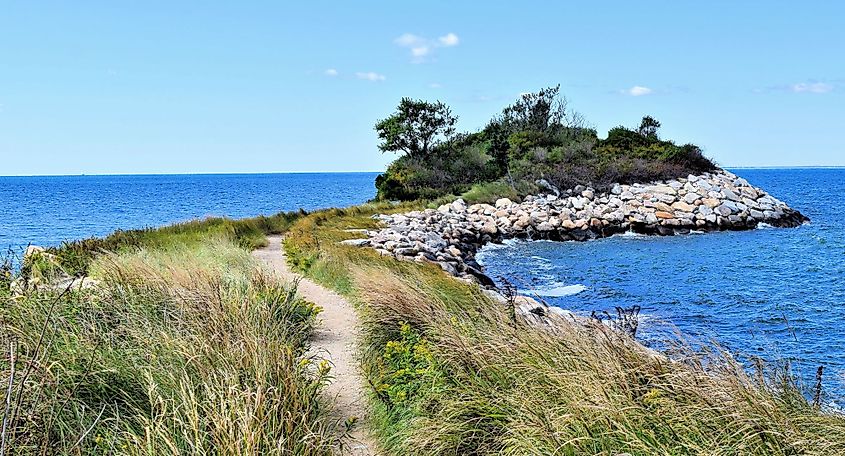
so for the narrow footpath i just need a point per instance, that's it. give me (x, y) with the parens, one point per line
(334, 339)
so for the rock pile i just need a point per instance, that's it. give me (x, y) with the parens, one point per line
(452, 234)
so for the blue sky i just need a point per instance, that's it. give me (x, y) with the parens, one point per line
(173, 87)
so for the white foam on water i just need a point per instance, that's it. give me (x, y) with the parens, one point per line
(764, 226)
(556, 291)
(631, 234)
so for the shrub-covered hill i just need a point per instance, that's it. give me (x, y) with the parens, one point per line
(537, 141)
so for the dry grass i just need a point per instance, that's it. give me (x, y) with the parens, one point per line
(188, 349)
(452, 375)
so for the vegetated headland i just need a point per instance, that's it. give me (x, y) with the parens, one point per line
(173, 340)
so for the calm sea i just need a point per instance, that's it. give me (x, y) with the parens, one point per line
(49, 210)
(774, 293)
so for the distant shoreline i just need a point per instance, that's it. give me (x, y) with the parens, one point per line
(192, 174)
(274, 173)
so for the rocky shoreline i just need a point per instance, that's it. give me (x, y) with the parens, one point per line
(451, 235)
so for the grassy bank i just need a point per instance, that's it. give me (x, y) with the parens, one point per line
(186, 346)
(249, 233)
(451, 373)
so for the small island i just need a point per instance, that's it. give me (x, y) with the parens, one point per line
(568, 183)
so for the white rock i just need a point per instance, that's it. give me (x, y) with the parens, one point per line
(503, 202)
(691, 198)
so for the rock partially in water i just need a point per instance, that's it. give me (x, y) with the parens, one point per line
(451, 235)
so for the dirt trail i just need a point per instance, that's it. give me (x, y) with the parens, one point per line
(334, 340)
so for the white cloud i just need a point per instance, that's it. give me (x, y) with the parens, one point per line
(811, 87)
(409, 40)
(370, 76)
(638, 91)
(449, 40)
(434, 85)
(420, 51)
(421, 47)
(331, 72)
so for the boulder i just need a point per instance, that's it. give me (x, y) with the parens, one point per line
(711, 202)
(665, 189)
(691, 197)
(683, 206)
(723, 210)
(489, 227)
(503, 202)
(729, 194)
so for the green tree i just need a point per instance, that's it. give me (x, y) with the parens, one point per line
(416, 127)
(648, 127)
(544, 111)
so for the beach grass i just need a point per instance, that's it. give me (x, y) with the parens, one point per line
(186, 346)
(249, 233)
(450, 372)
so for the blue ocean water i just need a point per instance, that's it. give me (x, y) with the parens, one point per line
(774, 293)
(47, 210)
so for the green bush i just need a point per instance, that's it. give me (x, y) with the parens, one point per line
(405, 366)
(539, 137)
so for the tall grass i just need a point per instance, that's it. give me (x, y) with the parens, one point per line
(76, 256)
(452, 374)
(182, 349)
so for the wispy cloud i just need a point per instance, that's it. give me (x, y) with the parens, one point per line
(370, 76)
(449, 40)
(331, 72)
(435, 85)
(638, 91)
(421, 47)
(811, 87)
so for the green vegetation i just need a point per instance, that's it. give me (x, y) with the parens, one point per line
(184, 346)
(536, 139)
(451, 373)
(250, 233)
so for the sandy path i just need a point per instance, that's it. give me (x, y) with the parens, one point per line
(333, 339)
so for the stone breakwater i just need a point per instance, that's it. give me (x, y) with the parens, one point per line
(452, 234)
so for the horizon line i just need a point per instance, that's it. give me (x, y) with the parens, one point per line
(257, 173)
(200, 173)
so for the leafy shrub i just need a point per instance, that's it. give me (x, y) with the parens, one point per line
(539, 137)
(405, 366)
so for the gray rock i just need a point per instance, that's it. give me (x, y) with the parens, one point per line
(723, 210)
(448, 267)
(691, 198)
(729, 194)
